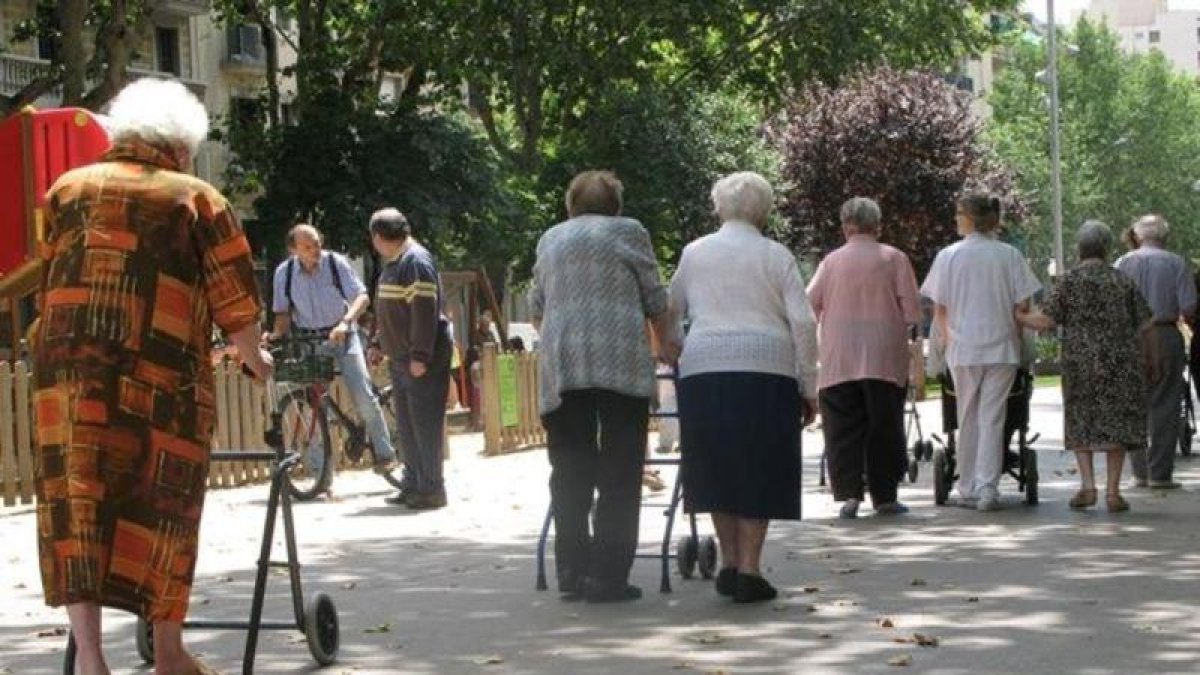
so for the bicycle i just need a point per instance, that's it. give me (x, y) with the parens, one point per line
(308, 410)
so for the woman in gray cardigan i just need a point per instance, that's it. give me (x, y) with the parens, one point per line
(596, 282)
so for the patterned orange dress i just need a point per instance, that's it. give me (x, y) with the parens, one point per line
(140, 261)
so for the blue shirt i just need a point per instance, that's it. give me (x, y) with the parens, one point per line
(1163, 278)
(317, 303)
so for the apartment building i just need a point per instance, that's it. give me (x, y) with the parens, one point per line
(225, 66)
(1146, 25)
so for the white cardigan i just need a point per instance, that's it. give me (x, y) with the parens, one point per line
(744, 297)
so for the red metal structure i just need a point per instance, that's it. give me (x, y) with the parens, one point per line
(36, 147)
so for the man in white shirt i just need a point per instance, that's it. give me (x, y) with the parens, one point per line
(976, 284)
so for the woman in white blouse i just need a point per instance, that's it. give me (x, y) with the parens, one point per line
(747, 379)
(977, 283)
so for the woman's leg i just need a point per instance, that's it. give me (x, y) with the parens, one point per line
(752, 532)
(1087, 481)
(1114, 462)
(85, 626)
(1087, 469)
(170, 658)
(727, 537)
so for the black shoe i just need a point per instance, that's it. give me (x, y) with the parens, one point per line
(753, 588)
(727, 581)
(424, 501)
(400, 498)
(570, 589)
(598, 592)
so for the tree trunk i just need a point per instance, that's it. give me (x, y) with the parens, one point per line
(71, 50)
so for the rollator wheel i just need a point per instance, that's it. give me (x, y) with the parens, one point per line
(708, 557)
(914, 468)
(927, 450)
(144, 638)
(1030, 462)
(686, 556)
(321, 629)
(941, 477)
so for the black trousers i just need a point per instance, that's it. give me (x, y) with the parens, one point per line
(864, 435)
(597, 442)
(420, 407)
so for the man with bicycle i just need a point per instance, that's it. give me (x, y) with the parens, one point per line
(317, 293)
(416, 337)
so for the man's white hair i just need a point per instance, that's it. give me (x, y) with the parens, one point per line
(158, 112)
(1151, 228)
(743, 196)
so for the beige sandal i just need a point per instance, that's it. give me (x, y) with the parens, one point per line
(1083, 499)
(1116, 503)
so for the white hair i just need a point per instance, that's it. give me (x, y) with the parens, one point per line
(863, 214)
(743, 196)
(158, 112)
(1151, 228)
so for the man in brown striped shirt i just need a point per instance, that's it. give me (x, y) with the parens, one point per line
(415, 335)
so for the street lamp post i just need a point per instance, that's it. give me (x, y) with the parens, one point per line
(1055, 138)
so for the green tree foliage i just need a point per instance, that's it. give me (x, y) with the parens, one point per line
(1130, 141)
(908, 140)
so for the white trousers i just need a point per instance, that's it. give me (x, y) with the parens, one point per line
(982, 393)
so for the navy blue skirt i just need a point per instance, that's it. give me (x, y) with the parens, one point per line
(740, 442)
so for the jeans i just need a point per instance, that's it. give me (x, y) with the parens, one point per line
(353, 366)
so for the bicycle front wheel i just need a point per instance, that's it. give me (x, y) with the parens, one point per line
(306, 433)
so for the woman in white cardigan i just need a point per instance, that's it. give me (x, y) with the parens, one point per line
(747, 380)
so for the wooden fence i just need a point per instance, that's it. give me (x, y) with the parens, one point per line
(509, 396)
(242, 418)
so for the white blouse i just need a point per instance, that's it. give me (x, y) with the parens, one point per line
(744, 297)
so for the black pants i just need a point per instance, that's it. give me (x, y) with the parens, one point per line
(420, 407)
(864, 434)
(597, 441)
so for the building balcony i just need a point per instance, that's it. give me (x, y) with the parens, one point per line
(244, 53)
(187, 8)
(18, 71)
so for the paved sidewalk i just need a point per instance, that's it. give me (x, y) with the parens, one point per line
(1024, 590)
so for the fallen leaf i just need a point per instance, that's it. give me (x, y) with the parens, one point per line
(1146, 628)
(903, 641)
(490, 660)
(20, 586)
(682, 665)
(885, 622)
(225, 579)
(811, 609)
(53, 632)
(350, 585)
(381, 628)
(847, 570)
(919, 582)
(973, 598)
(825, 636)
(709, 639)
(926, 640)
(901, 660)
(812, 589)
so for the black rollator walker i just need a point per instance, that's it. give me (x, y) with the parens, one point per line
(317, 619)
(693, 553)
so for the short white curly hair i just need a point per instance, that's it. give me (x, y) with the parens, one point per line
(158, 112)
(743, 196)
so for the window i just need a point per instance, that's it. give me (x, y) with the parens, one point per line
(1155, 37)
(1139, 36)
(245, 42)
(47, 50)
(166, 47)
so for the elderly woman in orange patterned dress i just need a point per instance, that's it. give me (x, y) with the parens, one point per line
(140, 261)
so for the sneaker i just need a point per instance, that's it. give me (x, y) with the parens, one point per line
(753, 588)
(963, 502)
(727, 581)
(598, 592)
(1165, 485)
(891, 509)
(385, 466)
(1139, 483)
(424, 501)
(849, 510)
(989, 499)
